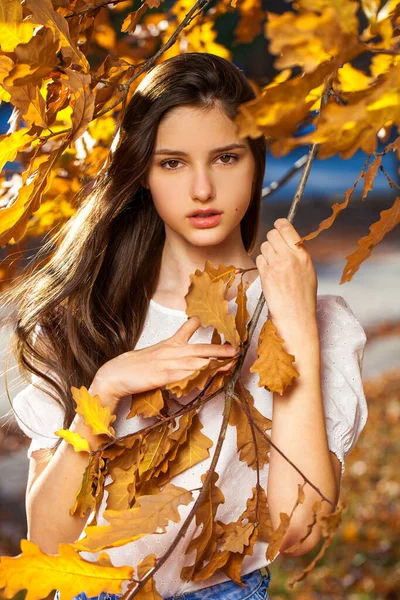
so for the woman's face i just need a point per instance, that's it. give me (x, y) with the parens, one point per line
(188, 173)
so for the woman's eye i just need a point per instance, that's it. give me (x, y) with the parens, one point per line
(174, 160)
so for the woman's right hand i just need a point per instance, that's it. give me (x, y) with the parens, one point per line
(153, 367)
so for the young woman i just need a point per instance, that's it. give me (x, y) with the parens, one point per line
(107, 311)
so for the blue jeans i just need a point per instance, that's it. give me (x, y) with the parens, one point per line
(256, 588)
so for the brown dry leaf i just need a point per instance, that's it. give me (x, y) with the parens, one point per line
(369, 176)
(273, 365)
(150, 514)
(82, 101)
(78, 443)
(91, 487)
(40, 573)
(316, 509)
(337, 208)
(147, 404)
(123, 469)
(242, 314)
(388, 220)
(193, 450)
(35, 59)
(205, 542)
(329, 524)
(245, 441)
(133, 18)
(95, 415)
(148, 591)
(277, 537)
(205, 299)
(43, 13)
(238, 538)
(155, 446)
(233, 566)
(198, 379)
(176, 439)
(30, 103)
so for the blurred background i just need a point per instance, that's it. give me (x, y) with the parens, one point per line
(363, 561)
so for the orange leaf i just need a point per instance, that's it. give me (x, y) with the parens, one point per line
(388, 220)
(273, 365)
(205, 299)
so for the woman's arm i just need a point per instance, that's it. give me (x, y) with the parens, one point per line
(299, 431)
(52, 492)
(289, 284)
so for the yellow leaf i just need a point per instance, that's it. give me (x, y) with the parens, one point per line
(14, 218)
(11, 144)
(13, 30)
(40, 574)
(273, 365)
(91, 489)
(198, 379)
(78, 443)
(96, 416)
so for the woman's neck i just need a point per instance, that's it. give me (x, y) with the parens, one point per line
(180, 259)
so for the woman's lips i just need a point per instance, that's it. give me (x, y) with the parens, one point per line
(203, 222)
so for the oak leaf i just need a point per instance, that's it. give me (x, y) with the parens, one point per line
(150, 514)
(242, 314)
(40, 573)
(252, 450)
(388, 220)
(95, 415)
(146, 404)
(13, 30)
(205, 299)
(273, 365)
(78, 443)
(205, 542)
(91, 489)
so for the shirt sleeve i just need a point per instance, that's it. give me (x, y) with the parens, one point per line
(37, 414)
(342, 343)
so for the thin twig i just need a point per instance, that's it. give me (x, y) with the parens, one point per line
(275, 185)
(392, 183)
(92, 8)
(182, 531)
(268, 438)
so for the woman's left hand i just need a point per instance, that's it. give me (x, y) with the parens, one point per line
(288, 279)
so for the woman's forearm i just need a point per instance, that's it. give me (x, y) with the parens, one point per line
(53, 493)
(298, 430)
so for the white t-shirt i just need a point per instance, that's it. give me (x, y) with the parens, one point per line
(342, 341)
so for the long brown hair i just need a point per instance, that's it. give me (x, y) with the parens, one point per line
(90, 298)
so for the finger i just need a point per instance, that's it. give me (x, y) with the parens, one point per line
(214, 350)
(277, 242)
(288, 232)
(186, 331)
(267, 252)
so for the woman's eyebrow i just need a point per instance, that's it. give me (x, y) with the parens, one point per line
(181, 153)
